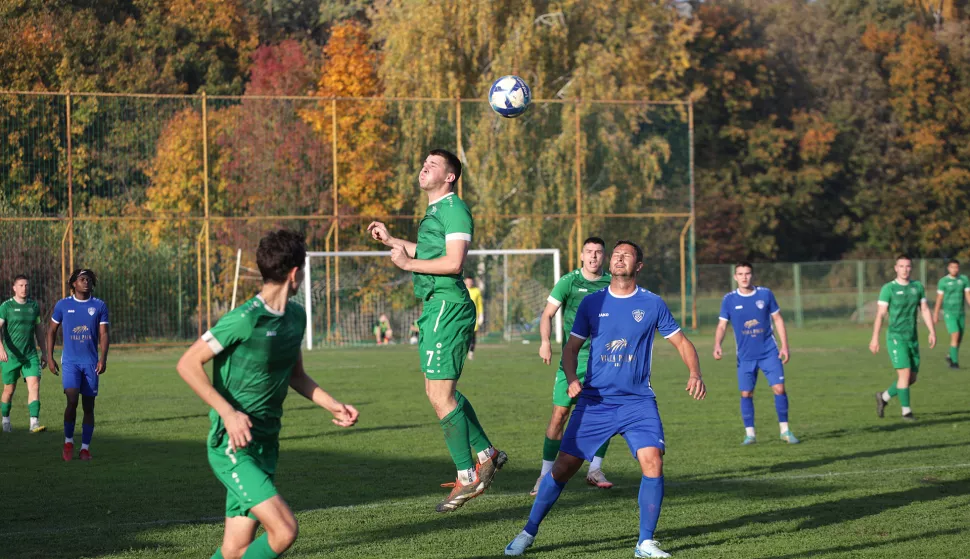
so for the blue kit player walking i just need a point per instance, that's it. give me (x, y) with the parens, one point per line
(84, 359)
(751, 311)
(616, 397)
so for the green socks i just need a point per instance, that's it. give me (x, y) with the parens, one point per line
(892, 390)
(602, 451)
(260, 549)
(953, 355)
(455, 427)
(5, 409)
(476, 435)
(217, 554)
(550, 449)
(904, 397)
(34, 408)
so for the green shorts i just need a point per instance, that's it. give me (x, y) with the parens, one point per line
(956, 323)
(560, 390)
(446, 331)
(247, 474)
(903, 353)
(15, 368)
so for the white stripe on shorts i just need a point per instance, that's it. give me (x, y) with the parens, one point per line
(441, 312)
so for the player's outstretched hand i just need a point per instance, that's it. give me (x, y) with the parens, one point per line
(575, 387)
(696, 388)
(345, 416)
(932, 340)
(783, 355)
(53, 366)
(237, 427)
(378, 232)
(545, 352)
(717, 352)
(101, 367)
(874, 346)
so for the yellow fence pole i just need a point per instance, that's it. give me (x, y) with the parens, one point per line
(70, 188)
(336, 214)
(458, 137)
(63, 255)
(578, 171)
(205, 186)
(683, 271)
(198, 270)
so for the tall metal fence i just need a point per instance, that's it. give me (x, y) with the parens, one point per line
(157, 193)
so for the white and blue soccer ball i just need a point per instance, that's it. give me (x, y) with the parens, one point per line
(510, 96)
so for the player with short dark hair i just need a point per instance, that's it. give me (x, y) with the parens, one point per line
(447, 323)
(567, 294)
(20, 326)
(903, 300)
(84, 358)
(616, 398)
(255, 349)
(751, 310)
(951, 292)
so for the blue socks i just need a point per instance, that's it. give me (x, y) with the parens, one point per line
(747, 411)
(549, 491)
(781, 406)
(87, 431)
(650, 498)
(68, 430)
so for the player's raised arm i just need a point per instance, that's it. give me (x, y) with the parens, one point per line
(191, 367)
(545, 330)
(450, 263)
(344, 415)
(378, 232)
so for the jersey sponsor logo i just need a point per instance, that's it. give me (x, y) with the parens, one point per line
(900, 293)
(759, 304)
(638, 315)
(270, 333)
(91, 311)
(80, 329)
(604, 314)
(70, 311)
(616, 345)
(582, 290)
(751, 323)
(739, 307)
(615, 356)
(16, 310)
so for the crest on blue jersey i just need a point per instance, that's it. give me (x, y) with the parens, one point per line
(91, 311)
(638, 315)
(759, 304)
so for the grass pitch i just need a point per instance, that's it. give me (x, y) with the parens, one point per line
(857, 486)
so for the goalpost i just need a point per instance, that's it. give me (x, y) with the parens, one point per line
(345, 292)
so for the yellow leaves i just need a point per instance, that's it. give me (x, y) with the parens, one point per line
(877, 40)
(817, 137)
(33, 195)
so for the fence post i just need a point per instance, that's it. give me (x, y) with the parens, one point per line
(797, 278)
(505, 296)
(730, 277)
(860, 274)
(922, 271)
(579, 190)
(693, 213)
(205, 185)
(458, 137)
(70, 190)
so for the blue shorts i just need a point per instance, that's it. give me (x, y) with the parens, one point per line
(748, 372)
(83, 376)
(593, 423)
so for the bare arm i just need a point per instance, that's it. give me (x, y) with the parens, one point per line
(545, 330)
(570, 360)
(378, 232)
(719, 337)
(39, 337)
(881, 313)
(51, 333)
(966, 295)
(451, 263)
(191, 367)
(344, 415)
(103, 343)
(688, 354)
(782, 335)
(937, 307)
(924, 308)
(3, 351)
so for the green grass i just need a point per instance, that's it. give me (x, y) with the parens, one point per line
(857, 486)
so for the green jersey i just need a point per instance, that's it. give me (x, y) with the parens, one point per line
(256, 349)
(570, 291)
(20, 322)
(446, 219)
(952, 290)
(904, 307)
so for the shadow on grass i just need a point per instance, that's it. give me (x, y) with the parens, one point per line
(870, 544)
(894, 423)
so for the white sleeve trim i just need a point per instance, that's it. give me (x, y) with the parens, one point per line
(553, 301)
(923, 300)
(776, 312)
(674, 333)
(212, 342)
(575, 335)
(2, 321)
(883, 303)
(724, 319)
(104, 323)
(965, 289)
(458, 237)
(938, 292)
(54, 320)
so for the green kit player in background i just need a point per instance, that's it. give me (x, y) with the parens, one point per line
(255, 349)
(447, 323)
(567, 294)
(20, 327)
(951, 291)
(903, 300)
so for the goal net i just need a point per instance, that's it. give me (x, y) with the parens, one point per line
(345, 294)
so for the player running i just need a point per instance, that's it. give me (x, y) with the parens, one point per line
(748, 309)
(903, 300)
(951, 291)
(475, 294)
(255, 349)
(20, 326)
(447, 323)
(616, 397)
(568, 292)
(84, 357)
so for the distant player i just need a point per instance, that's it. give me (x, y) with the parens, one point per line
(84, 358)
(447, 323)
(903, 300)
(20, 326)
(751, 311)
(255, 350)
(475, 294)
(568, 292)
(383, 333)
(951, 291)
(616, 398)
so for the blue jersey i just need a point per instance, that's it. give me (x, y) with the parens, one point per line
(621, 331)
(80, 321)
(750, 316)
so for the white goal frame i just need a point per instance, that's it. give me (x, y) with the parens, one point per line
(556, 271)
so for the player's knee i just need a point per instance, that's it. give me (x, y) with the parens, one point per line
(747, 393)
(282, 536)
(8, 390)
(779, 389)
(651, 462)
(565, 467)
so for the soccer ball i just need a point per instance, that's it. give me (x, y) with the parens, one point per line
(510, 96)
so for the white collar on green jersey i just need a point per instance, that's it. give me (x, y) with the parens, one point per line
(431, 203)
(269, 310)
